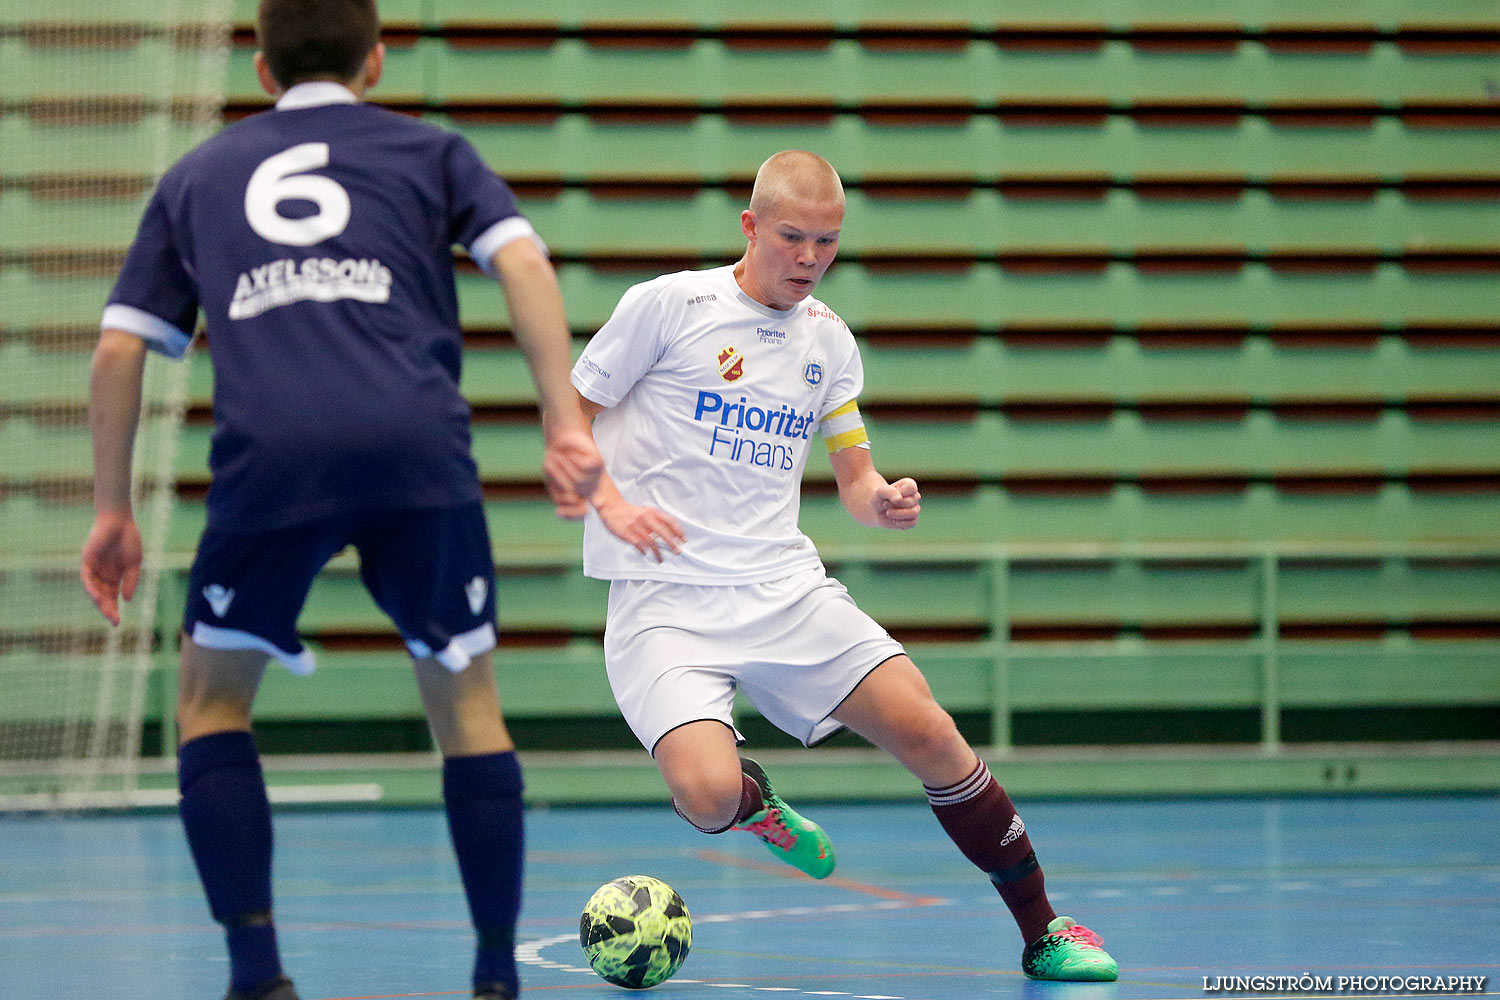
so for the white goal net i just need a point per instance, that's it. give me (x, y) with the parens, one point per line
(96, 100)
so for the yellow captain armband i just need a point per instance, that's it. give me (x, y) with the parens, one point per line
(843, 428)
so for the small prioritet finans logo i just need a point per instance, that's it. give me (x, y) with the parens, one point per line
(776, 337)
(476, 590)
(1017, 829)
(731, 364)
(219, 598)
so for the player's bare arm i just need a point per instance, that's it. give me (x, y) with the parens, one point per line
(111, 562)
(867, 496)
(650, 530)
(571, 464)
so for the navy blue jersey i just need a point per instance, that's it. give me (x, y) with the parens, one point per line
(316, 238)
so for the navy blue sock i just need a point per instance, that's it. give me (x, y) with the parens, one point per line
(227, 818)
(483, 796)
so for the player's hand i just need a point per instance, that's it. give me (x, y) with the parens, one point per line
(897, 505)
(571, 466)
(111, 563)
(650, 530)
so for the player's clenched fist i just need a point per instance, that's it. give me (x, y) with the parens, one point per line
(898, 504)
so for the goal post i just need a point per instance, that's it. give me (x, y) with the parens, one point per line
(95, 102)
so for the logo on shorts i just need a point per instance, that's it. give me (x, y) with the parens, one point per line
(731, 364)
(219, 598)
(476, 590)
(812, 372)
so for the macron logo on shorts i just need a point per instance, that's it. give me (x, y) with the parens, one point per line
(476, 590)
(219, 598)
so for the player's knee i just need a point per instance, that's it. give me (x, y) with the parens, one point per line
(929, 738)
(709, 806)
(709, 801)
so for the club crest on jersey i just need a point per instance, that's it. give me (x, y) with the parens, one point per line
(731, 364)
(812, 372)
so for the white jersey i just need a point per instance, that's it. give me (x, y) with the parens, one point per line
(711, 403)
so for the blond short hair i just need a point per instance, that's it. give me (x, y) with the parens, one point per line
(795, 174)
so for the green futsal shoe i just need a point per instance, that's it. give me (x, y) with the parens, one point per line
(793, 838)
(281, 989)
(1069, 951)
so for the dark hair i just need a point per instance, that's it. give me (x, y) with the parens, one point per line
(316, 39)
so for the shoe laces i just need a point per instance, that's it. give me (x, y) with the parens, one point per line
(1079, 934)
(772, 829)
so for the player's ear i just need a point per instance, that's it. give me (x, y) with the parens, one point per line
(747, 224)
(374, 65)
(263, 74)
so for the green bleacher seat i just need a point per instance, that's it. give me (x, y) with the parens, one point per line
(989, 370)
(38, 685)
(406, 14)
(576, 13)
(710, 71)
(32, 145)
(35, 600)
(43, 450)
(574, 223)
(988, 296)
(976, 15)
(986, 370)
(34, 527)
(29, 223)
(1121, 444)
(1130, 674)
(572, 146)
(1394, 671)
(403, 80)
(983, 222)
(1124, 444)
(122, 67)
(1390, 591)
(30, 374)
(1132, 593)
(1122, 74)
(1381, 512)
(35, 299)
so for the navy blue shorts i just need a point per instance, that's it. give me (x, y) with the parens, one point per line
(429, 569)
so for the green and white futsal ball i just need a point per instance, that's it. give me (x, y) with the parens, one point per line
(635, 931)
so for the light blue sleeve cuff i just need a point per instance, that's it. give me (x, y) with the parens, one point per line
(505, 231)
(159, 335)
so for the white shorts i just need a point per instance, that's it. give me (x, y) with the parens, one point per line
(796, 647)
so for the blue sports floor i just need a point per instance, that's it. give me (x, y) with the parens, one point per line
(369, 904)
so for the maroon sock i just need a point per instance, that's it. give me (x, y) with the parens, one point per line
(751, 802)
(980, 818)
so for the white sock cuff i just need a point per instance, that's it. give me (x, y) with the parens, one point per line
(963, 791)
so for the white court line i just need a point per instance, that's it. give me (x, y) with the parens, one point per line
(530, 952)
